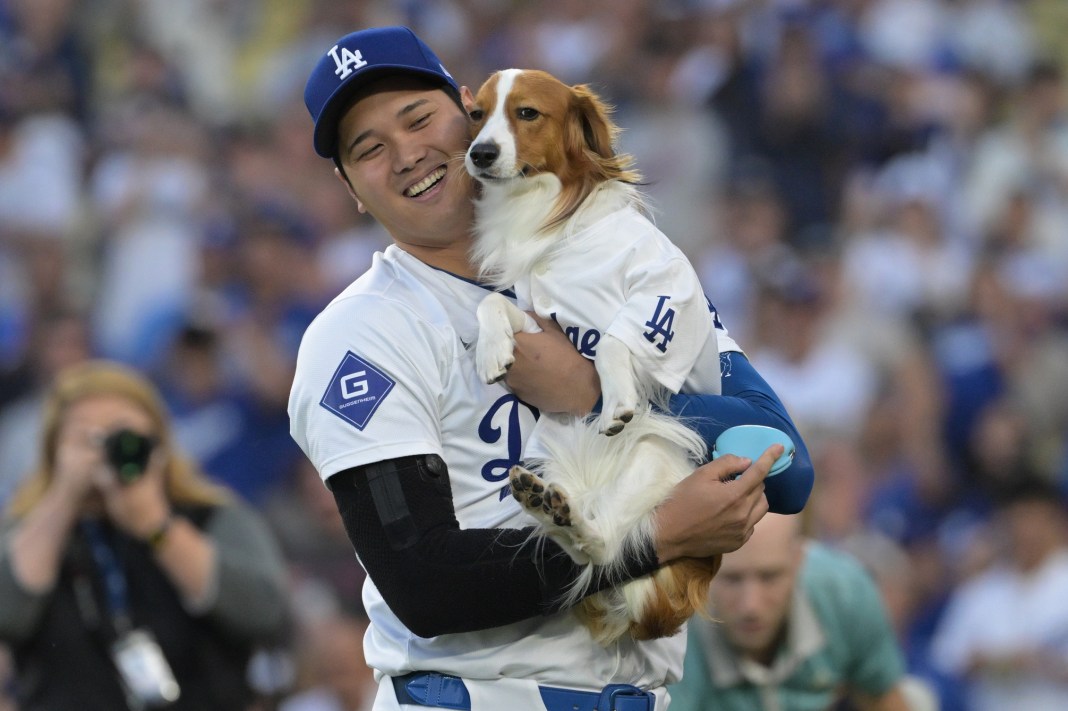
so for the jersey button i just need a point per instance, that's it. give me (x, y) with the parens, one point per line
(541, 269)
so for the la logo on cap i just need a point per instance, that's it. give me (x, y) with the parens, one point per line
(347, 61)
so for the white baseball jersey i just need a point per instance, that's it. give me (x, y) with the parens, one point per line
(622, 276)
(384, 372)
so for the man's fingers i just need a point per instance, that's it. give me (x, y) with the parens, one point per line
(760, 507)
(756, 512)
(754, 476)
(728, 467)
(767, 459)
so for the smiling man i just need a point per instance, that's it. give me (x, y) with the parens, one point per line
(426, 208)
(464, 605)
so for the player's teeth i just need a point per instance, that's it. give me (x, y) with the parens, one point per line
(426, 183)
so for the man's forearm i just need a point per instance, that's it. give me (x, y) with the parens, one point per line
(438, 578)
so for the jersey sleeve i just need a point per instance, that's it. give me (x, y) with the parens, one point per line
(665, 320)
(369, 380)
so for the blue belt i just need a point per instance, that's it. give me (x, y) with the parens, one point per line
(449, 692)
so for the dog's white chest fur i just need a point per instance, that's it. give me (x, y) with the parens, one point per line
(510, 243)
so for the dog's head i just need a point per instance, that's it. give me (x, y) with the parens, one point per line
(527, 123)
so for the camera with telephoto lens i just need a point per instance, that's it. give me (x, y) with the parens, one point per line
(127, 452)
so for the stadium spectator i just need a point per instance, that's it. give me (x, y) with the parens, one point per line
(1005, 630)
(125, 576)
(796, 625)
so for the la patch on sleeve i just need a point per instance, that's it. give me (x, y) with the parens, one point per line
(356, 390)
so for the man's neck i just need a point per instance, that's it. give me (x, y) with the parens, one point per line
(451, 258)
(766, 657)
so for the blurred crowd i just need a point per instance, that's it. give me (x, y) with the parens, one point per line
(877, 184)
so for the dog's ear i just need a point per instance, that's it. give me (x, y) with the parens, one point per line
(590, 124)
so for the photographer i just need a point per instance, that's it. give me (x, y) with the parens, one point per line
(127, 579)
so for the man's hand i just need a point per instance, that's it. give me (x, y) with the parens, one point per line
(550, 374)
(709, 513)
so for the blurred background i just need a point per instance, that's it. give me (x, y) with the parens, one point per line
(877, 183)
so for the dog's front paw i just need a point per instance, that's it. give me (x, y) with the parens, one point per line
(614, 418)
(493, 357)
(619, 386)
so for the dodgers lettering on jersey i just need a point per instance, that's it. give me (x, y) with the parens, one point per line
(585, 340)
(383, 373)
(503, 423)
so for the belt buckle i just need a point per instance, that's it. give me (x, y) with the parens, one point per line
(625, 697)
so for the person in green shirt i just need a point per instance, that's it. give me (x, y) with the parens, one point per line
(797, 626)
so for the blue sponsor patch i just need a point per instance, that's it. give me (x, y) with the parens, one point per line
(356, 390)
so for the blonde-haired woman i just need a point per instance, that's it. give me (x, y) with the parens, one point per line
(127, 578)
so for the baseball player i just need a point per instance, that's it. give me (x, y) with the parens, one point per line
(415, 448)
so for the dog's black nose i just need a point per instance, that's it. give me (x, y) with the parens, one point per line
(483, 154)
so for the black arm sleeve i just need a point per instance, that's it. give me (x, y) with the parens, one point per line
(438, 578)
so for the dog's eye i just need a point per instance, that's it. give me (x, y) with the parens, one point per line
(477, 114)
(527, 114)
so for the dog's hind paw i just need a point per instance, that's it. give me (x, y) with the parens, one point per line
(527, 488)
(556, 505)
(547, 502)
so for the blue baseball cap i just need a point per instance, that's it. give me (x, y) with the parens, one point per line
(356, 59)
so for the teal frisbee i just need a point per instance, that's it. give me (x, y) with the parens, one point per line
(751, 441)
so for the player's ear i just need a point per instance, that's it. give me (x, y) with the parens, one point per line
(467, 98)
(348, 187)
